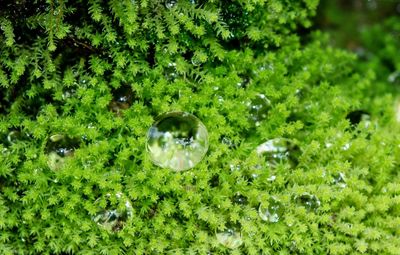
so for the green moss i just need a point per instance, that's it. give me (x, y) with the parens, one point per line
(63, 66)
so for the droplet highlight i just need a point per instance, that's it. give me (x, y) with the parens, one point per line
(177, 140)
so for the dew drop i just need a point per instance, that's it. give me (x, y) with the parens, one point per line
(230, 239)
(271, 211)
(278, 150)
(112, 217)
(239, 199)
(122, 100)
(170, 72)
(258, 109)
(58, 148)
(170, 3)
(340, 180)
(177, 140)
(309, 201)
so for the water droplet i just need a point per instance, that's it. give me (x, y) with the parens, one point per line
(195, 61)
(234, 167)
(258, 108)
(239, 199)
(170, 72)
(309, 201)
(58, 148)
(346, 146)
(177, 140)
(122, 99)
(393, 76)
(278, 150)
(271, 211)
(13, 136)
(113, 216)
(340, 180)
(170, 3)
(271, 178)
(230, 239)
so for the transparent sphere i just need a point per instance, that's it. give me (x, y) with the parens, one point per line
(58, 148)
(309, 201)
(272, 212)
(112, 216)
(259, 108)
(278, 150)
(230, 239)
(177, 140)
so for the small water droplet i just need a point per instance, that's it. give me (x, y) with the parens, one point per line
(170, 4)
(309, 201)
(177, 140)
(258, 109)
(340, 180)
(195, 61)
(271, 178)
(278, 150)
(58, 148)
(230, 239)
(112, 217)
(234, 167)
(271, 211)
(122, 99)
(393, 76)
(239, 199)
(346, 146)
(170, 72)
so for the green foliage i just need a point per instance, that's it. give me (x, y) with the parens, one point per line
(63, 63)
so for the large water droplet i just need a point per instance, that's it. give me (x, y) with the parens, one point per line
(113, 216)
(230, 239)
(58, 148)
(271, 211)
(258, 108)
(309, 201)
(278, 150)
(177, 140)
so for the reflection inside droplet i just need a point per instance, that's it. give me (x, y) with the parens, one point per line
(58, 148)
(271, 211)
(309, 201)
(112, 216)
(278, 150)
(230, 239)
(170, 72)
(258, 109)
(177, 140)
